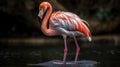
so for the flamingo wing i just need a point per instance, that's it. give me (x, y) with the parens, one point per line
(68, 22)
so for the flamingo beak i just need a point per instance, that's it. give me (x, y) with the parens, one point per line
(40, 14)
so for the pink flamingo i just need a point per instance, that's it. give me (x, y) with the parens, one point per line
(63, 23)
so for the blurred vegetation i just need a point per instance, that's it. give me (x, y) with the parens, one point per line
(102, 15)
(19, 17)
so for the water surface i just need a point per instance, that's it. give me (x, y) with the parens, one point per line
(108, 55)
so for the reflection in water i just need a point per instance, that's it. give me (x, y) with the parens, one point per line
(58, 63)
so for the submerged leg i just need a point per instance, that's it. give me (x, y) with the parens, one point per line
(65, 49)
(77, 49)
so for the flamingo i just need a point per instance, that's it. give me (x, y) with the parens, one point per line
(64, 24)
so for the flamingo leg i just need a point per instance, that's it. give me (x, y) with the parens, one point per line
(77, 49)
(65, 50)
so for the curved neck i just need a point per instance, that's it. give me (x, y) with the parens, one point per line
(44, 28)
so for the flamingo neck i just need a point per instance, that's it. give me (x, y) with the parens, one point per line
(45, 21)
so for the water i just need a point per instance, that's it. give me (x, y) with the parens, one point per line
(107, 55)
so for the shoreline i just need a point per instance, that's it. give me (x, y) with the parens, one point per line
(115, 39)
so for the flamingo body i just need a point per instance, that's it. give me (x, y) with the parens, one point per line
(69, 22)
(63, 23)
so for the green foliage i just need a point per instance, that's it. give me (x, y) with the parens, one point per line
(103, 14)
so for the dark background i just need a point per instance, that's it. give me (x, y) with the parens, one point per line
(23, 43)
(18, 18)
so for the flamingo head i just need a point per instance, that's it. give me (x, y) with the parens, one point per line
(42, 9)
